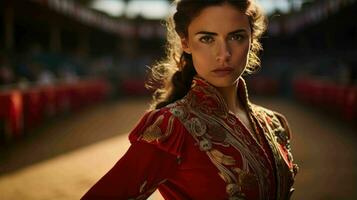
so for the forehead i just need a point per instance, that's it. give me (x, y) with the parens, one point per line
(220, 19)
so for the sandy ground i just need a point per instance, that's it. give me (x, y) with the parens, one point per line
(64, 158)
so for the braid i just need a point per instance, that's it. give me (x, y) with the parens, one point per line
(181, 81)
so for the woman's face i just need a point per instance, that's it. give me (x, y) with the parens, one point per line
(219, 41)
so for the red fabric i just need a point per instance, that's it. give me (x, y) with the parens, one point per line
(188, 171)
(141, 163)
(165, 155)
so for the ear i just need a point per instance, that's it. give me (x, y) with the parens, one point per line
(185, 46)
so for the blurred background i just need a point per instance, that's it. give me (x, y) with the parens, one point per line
(72, 77)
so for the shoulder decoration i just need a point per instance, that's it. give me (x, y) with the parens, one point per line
(160, 128)
(153, 132)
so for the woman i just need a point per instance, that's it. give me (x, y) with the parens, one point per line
(205, 139)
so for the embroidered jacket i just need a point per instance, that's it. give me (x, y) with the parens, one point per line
(196, 148)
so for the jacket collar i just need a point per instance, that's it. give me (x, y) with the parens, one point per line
(207, 92)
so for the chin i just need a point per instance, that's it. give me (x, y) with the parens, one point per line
(223, 82)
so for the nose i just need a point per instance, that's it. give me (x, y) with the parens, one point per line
(223, 53)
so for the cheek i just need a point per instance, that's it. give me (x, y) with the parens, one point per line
(201, 51)
(199, 63)
(241, 49)
(201, 56)
(241, 52)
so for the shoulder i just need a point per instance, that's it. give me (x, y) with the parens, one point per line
(276, 121)
(161, 129)
(151, 126)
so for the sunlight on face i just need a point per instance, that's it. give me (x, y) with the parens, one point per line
(219, 40)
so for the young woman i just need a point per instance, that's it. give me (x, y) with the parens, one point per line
(204, 139)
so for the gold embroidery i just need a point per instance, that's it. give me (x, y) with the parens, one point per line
(225, 177)
(245, 179)
(205, 103)
(144, 193)
(153, 132)
(224, 159)
(220, 160)
(169, 126)
(143, 186)
(278, 134)
(232, 189)
(150, 116)
(295, 169)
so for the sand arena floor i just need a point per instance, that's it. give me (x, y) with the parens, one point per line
(62, 159)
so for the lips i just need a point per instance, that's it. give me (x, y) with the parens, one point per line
(223, 71)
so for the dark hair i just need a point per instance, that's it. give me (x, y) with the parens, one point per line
(171, 78)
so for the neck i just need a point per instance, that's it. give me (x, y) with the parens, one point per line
(229, 94)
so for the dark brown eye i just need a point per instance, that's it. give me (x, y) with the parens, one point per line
(237, 37)
(206, 39)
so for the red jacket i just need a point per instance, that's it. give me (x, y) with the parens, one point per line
(196, 149)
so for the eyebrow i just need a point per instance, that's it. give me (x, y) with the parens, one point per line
(213, 33)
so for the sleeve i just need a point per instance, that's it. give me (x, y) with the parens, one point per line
(149, 161)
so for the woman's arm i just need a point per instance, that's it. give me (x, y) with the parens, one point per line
(136, 175)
